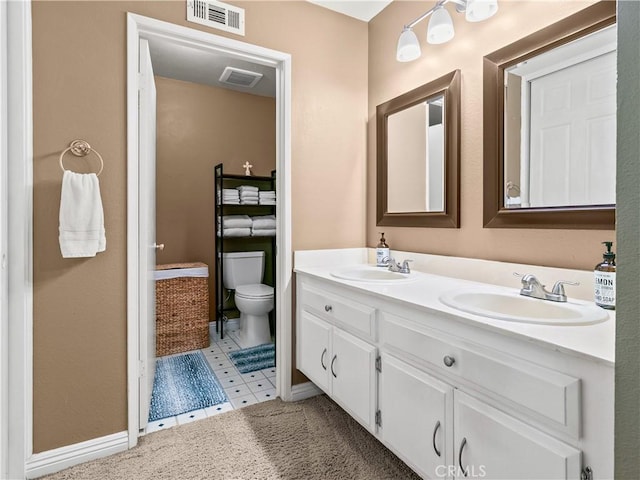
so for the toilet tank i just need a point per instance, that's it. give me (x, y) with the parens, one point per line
(242, 268)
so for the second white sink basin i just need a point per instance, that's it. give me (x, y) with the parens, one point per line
(514, 307)
(371, 274)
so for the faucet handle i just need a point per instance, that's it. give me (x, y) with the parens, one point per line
(527, 278)
(558, 288)
(405, 266)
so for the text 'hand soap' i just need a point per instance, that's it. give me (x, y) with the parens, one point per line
(605, 280)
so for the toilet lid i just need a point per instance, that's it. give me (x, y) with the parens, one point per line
(255, 290)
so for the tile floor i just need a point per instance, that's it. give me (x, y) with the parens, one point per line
(241, 389)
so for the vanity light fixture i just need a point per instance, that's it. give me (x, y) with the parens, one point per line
(440, 29)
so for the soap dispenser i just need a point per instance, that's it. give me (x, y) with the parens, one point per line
(605, 280)
(382, 252)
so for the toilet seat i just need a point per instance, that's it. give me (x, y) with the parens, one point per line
(257, 290)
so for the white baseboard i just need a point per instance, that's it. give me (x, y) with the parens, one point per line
(58, 459)
(304, 390)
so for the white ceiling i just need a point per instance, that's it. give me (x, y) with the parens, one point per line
(190, 64)
(363, 10)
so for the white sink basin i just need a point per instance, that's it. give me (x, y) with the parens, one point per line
(372, 274)
(514, 307)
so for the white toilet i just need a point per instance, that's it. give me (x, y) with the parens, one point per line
(242, 272)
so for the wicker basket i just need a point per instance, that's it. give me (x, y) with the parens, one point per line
(182, 311)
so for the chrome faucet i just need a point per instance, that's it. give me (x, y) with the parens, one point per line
(531, 287)
(396, 267)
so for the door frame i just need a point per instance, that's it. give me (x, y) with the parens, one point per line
(143, 27)
(16, 403)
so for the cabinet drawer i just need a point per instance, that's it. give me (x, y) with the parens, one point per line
(339, 310)
(553, 396)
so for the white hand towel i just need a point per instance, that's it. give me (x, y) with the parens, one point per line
(264, 222)
(267, 202)
(236, 221)
(236, 232)
(249, 201)
(264, 233)
(81, 232)
(249, 195)
(247, 188)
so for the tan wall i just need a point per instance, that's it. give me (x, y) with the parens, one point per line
(389, 78)
(79, 91)
(199, 126)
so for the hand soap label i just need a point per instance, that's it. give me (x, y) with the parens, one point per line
(605, 289)
(382, 257)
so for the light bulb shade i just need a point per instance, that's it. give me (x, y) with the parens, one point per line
(440, 29)
(478, 10)
(408, 46)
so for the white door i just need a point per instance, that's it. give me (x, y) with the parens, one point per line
(313, 349)
(4, 291)
(353, 376)
(417, 424)
(573, 135)
(493, 445)
(147, 219)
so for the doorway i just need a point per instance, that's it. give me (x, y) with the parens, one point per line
(138, 199)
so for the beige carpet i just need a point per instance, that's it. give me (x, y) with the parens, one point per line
(312, 440)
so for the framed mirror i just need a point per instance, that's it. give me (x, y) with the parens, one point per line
(418, 156)
(550, 126)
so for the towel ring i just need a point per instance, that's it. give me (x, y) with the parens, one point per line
(80, 148)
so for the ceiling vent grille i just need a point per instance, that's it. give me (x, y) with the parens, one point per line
(216, 15)
(240, 78)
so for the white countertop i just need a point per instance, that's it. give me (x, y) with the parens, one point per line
(596, 341)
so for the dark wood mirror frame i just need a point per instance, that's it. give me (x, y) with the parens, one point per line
(591, 19)
(449, 87)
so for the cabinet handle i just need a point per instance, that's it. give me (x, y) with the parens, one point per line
(435, 430)
(462, 445)
(332, 362)
(448, 361)
(324, 352)
(327, 308)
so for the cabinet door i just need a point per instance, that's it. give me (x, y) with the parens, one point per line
(416, 412)
(492, 444)
(353, 374)
(313, 352)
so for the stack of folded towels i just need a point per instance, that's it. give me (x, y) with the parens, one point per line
(248, 195)
(235, 226)
(267, 197)
(263, 226)
(230, 196)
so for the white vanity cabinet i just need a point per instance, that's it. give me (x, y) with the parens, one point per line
(338, 362)
(417, 420)
(492, 444)
(453, 400)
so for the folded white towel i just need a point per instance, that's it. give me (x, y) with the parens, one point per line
(81, 232)
(267, 202)
(236, 232)
(264, 233)
(264, 222)
(249, 201)
(231, 202)
(236, 221)
(249, 195)
(267, 193)
(247, 188)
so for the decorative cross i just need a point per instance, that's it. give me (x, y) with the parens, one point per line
(247, 168)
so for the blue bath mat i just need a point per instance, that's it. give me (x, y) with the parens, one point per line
(254, 358)
(183, 383)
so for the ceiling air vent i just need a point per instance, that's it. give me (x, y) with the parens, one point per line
(239, 78)
(216, 15)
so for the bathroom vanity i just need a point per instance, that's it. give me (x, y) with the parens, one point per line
(456, 394)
